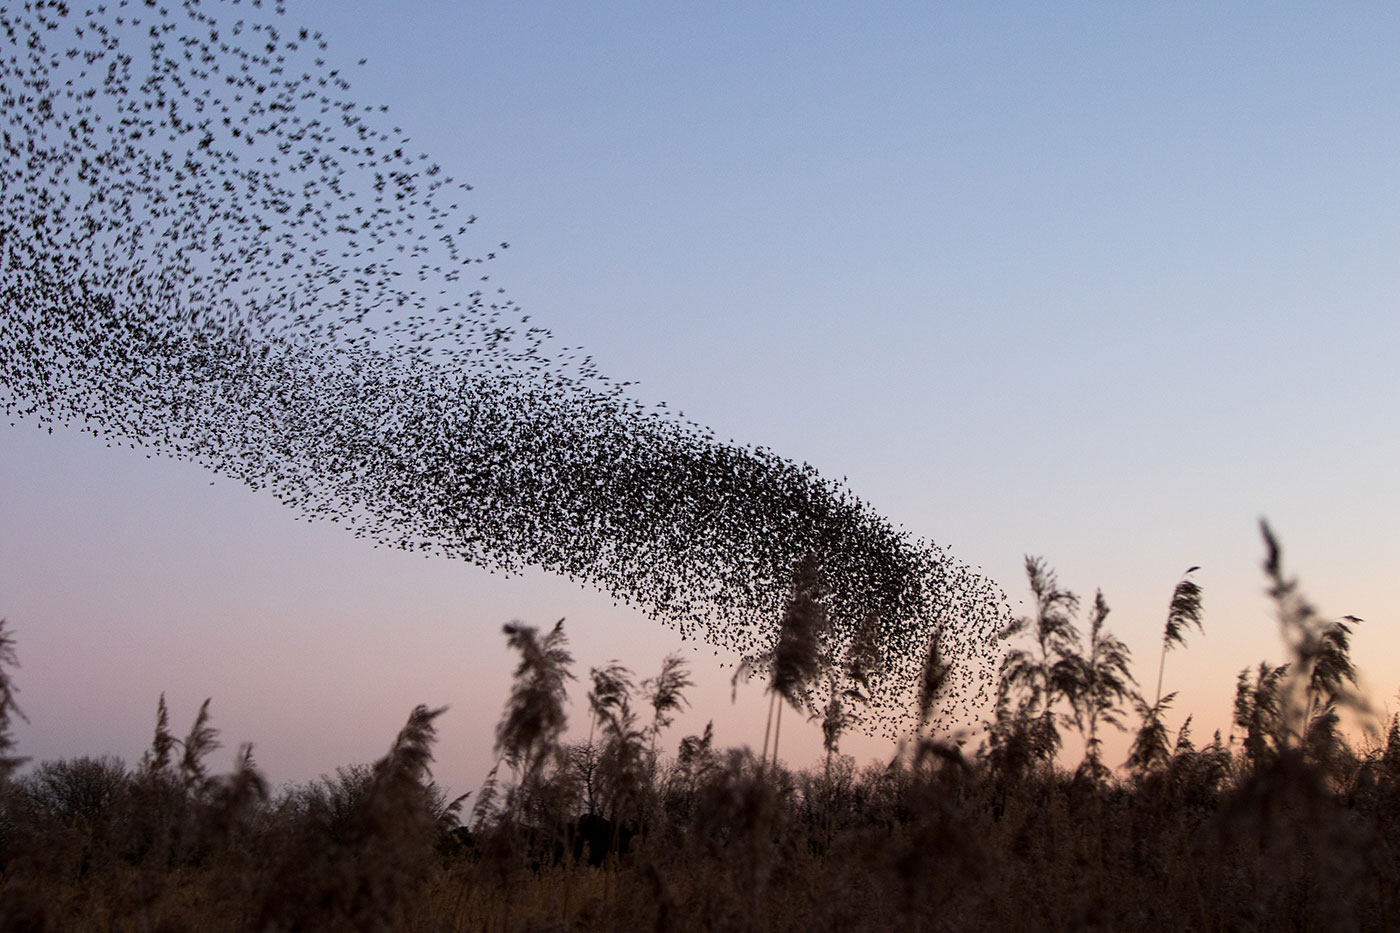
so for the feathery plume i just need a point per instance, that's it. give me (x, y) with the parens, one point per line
(1183, 612)
(534, 717)
(9, 660)
(202, 739)
(666, 691)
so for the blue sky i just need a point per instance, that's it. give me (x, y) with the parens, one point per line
(1104, 283)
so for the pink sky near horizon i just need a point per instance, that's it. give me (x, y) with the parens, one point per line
(122, 584)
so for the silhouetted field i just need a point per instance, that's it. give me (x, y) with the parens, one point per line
(1280, 823)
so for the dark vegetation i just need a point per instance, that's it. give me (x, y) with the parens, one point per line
(1283, 823)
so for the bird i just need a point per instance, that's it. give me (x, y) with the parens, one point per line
(209, 249)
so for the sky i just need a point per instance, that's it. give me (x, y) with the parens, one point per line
(1100, 283)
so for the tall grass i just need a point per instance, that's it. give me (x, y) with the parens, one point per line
(1287, 822)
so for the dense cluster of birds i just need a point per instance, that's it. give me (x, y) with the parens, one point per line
(210, 250)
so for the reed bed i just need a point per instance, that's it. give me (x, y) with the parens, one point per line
(1280, 822)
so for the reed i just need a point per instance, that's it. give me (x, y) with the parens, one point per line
(1284, 825)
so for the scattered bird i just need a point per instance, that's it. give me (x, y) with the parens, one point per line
(208, 249)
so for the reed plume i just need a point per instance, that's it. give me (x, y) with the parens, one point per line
(612, 685)
(621, 764)
(203, 739)
(157, 758)
(1320, 682)
(932, 679)
(235, 796)
(1183, 612)
(1149, 751)
(666, 693)
(1100, 683)
(797, 658)
(534, 719)
(9, 708)
(863, 657)
(411, 754)
(1033, 681)
(1258, 711)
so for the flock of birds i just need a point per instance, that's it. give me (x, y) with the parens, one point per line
(210, 250)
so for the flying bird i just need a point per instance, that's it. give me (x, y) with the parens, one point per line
(210, 251)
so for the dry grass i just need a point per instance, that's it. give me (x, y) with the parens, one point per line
(1281, 826)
